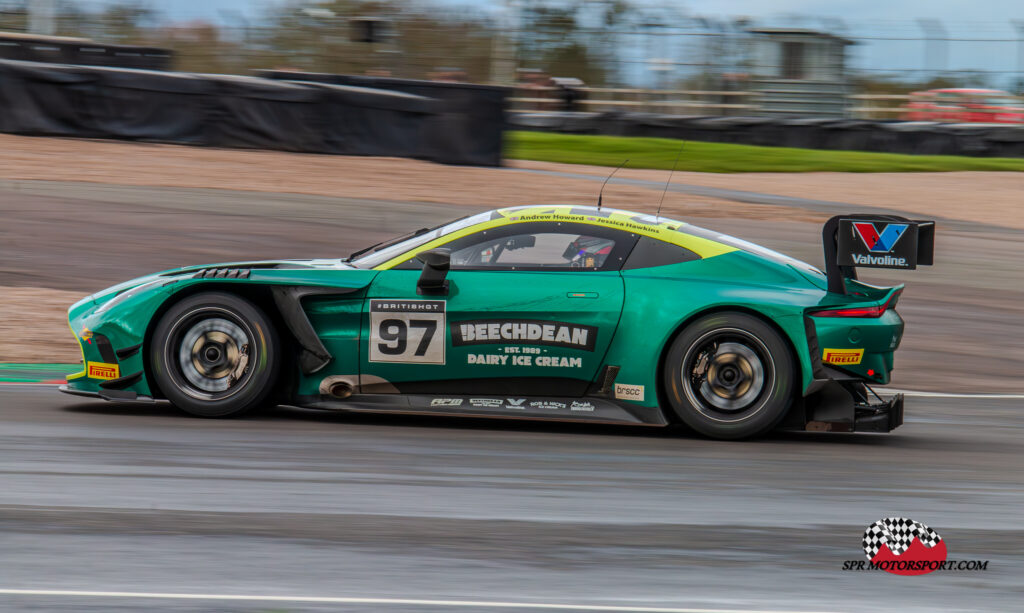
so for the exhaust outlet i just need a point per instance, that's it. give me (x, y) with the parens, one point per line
(341, 389)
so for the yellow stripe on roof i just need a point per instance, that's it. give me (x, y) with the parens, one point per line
(668, 230)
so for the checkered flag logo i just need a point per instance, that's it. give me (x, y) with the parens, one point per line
(898, 533)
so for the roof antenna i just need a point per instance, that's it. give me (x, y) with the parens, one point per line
(671, 172)
(601, 193)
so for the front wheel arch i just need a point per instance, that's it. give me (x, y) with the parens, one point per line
(226, 328)
(257, 294)
(663, 402)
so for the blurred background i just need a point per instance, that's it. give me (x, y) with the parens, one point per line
(876, 60)
(138, 136)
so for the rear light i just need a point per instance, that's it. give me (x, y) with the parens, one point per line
(868, 311)
(875, 311)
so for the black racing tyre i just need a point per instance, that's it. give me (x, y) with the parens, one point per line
(215, 355)
(729, 375)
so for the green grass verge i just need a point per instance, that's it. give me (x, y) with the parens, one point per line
(35, 373)
(660, 153)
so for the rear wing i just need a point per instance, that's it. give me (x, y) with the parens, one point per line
(874, 241)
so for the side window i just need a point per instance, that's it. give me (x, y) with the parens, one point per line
(543, 246)
(410, 264)
(650, 252)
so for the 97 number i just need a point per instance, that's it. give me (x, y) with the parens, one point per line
(395, 333)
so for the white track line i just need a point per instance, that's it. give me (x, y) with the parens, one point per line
(381, 601)
(953, 395)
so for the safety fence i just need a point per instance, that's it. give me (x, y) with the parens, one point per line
(66, 50)
(750, 103)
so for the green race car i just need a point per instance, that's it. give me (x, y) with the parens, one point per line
(540, 312)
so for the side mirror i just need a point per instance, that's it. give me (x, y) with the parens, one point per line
(436, 263)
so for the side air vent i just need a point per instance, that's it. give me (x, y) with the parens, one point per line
(222, 273)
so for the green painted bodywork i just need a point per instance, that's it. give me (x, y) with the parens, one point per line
(636, 314)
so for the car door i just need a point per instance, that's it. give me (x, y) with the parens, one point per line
(530, 309)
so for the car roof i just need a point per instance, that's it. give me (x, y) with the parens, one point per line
(702, 242)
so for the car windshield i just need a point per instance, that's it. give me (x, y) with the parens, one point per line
(378, 254)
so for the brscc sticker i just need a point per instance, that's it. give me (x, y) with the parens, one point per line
(407, 331)
(629, 392)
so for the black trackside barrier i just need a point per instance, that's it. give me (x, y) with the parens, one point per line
(239, 111)
(83, 52)
(874, 241)
(467, 127)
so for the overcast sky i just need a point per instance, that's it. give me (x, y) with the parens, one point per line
(951, 11)
(886, 19)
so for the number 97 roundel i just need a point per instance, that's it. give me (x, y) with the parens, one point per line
(407, 331)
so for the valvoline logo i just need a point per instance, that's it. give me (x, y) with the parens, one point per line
(880, 242)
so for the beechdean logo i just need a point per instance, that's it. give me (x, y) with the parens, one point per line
(880, 242)
(903, 546)
(524, 332)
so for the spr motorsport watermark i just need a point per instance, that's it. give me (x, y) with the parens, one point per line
(903, 546)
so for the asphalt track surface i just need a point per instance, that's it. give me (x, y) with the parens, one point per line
(301, 507)
(305, 504)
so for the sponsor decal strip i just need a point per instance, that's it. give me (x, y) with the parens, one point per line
(884, 241)
(102, 370)
(878, 244)
(523, 360)
(578, 405)
(873, 260)
(842, 356)
(529, 331)
(512, 404)
(671, 232)
(629, 392)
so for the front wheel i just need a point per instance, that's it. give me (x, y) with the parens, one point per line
(215, 355)
(729, 376)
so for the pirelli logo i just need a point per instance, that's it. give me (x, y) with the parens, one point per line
(102, 370)
(843, 357)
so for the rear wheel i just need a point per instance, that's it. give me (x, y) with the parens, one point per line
(215, 355)
(729, 376)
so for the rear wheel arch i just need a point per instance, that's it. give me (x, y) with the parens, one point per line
(663, 401)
